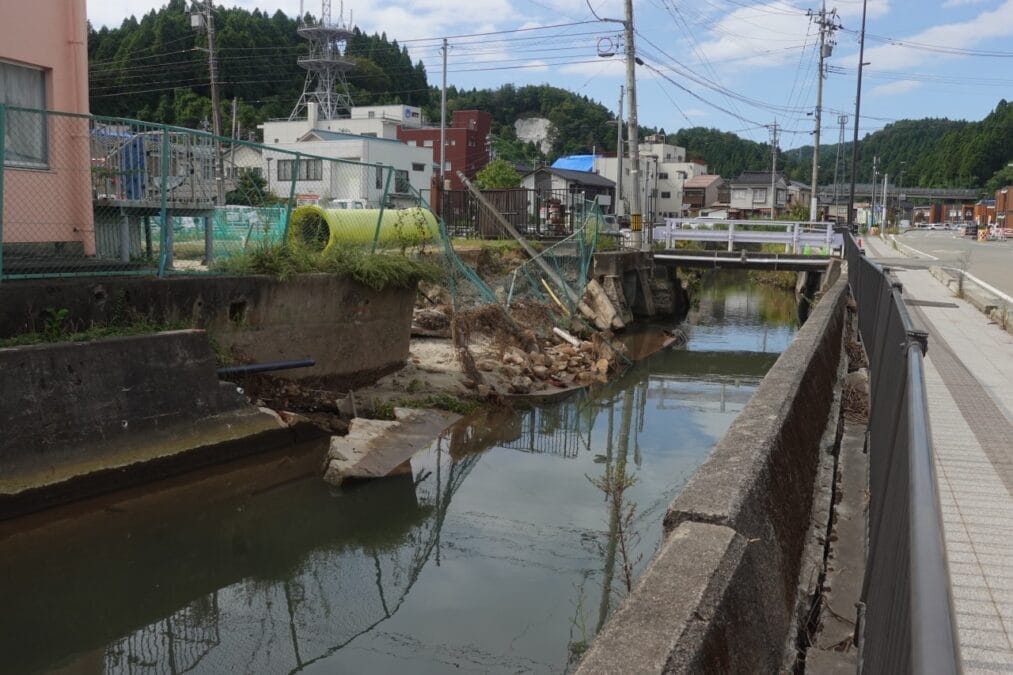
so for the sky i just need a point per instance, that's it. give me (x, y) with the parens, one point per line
(733, 65)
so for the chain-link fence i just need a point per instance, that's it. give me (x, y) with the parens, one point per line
(92, 195)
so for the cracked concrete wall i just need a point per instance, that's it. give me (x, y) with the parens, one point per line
(353, 332)
(720, 594)
(86, 417)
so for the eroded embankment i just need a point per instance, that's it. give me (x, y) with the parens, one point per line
(721, 594)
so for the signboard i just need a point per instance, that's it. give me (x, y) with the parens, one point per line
(303, 198)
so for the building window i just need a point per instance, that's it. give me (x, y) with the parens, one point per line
(471, 142)
(739, 193)
(759, 195)
(418, 166)
(371, 114)
(401, 184)
(666, 195)
(309, 169)
(663, 175)
(427, 144)
(26, 131)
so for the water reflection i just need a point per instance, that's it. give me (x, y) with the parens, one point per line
(496, 553)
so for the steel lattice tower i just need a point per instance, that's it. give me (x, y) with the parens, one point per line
(325, 64)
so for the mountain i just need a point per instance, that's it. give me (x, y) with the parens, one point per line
(153, 68)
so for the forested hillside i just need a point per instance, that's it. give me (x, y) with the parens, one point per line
(579, 124)
(153, 68)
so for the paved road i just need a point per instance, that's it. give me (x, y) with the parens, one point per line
(991, 261)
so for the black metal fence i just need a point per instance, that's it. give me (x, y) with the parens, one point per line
(536, 213)
(908, 624)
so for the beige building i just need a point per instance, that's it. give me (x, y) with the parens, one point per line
(47, 184)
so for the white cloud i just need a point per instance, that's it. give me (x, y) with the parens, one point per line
(995, 23)
(950, 4)
(894, 88)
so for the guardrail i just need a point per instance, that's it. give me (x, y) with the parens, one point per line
(906, 620)
(798, 235)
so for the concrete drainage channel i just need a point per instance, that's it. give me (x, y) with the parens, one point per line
(738, 581)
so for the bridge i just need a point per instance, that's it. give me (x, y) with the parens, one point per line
(827, 192)
(796, 236)
(742, 260)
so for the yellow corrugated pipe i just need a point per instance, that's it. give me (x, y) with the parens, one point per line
(321, 228)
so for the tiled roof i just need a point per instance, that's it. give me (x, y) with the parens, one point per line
(703, 181)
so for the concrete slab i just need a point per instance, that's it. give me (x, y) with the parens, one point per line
(378, 448)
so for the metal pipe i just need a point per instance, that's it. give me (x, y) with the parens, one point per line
(251, 368)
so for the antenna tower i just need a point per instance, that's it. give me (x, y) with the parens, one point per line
(325, 64)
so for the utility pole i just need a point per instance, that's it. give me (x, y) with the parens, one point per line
(637, 239)
(841, 121)
(618, 208)
(443, 126)
(858, 109)
(208, 21)
(827, 27)
(872, 199)
(886, 221)
(773, 169)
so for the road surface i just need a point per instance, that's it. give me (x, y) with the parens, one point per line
(990, 261)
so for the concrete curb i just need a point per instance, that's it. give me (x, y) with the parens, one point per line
(756, 487)
(996, 309)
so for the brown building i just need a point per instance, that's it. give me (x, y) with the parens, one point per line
(467, 149)
(1004, 207)
(702, 192)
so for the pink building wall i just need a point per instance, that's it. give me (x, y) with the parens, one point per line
(52, 204)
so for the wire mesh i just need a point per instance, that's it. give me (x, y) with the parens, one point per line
(91, 195)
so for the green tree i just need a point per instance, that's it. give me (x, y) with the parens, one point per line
(497, 174)
(251, 190)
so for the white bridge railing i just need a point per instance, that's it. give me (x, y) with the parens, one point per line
(795, 235)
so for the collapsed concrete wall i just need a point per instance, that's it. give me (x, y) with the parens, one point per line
(721, 594)
(83, 418)
(353, 332)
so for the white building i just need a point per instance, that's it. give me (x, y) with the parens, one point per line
(663, 171)
(342, 175)
(381, 121)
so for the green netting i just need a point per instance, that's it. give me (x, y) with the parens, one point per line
(558, 274)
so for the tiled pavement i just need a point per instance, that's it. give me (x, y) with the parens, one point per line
(969, 378)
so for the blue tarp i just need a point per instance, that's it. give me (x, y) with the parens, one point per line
(575, 163)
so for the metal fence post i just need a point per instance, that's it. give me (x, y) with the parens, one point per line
(383, 204)
(3, 172)
(731, 237)
(165, 259)
(291, 194)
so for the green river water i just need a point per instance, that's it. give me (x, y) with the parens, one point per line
(495, 555)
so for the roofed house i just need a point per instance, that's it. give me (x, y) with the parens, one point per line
(701, 192)
(555, 192)
(751, 193)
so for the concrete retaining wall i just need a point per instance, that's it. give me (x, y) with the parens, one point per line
(352, 331)
(82, 418)
(721, 593)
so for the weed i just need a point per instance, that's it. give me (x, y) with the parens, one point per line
(56, 324)
(376, 270)
(614, 483)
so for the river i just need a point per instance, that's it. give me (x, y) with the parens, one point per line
(498, 554)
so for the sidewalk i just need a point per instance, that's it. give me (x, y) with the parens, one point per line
(969, 378)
